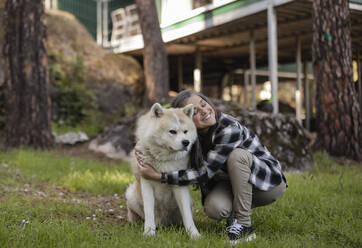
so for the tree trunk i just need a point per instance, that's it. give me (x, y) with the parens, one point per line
(27, 102)
(338, 114)
(154, 52)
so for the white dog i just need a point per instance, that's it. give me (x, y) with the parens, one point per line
(165, 137)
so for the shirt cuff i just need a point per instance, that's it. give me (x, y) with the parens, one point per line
(171, 178)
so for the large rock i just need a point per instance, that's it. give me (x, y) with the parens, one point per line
(116, 141)
(285, 138)
(71, 39)
(71, 138)
(114, 79)
(282, 134)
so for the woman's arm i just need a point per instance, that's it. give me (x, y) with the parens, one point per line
(148, 172)
(225, 141)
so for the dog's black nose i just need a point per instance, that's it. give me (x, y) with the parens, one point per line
(185, 143)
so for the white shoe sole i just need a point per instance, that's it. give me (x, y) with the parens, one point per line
(246, 239)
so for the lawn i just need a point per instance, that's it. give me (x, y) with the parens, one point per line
(52, 199)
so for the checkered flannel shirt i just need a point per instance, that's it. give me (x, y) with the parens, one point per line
(266, 171)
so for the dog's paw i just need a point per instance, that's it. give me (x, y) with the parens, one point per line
(195, 235)
(149, 232)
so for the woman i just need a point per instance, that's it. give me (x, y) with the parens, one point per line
(234, 170)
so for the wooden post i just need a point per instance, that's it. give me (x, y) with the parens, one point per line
(55, 4)
(99, 22)
(273, 54)
(307, 96)
(198, 71)
(246, 88)
(180, 73)
(231, 82)
(298, 103)
(105, 23)
(47, 4)
(359, 79)
(240, 90)
(252, 68)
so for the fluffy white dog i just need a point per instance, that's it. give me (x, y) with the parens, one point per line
(164, 137)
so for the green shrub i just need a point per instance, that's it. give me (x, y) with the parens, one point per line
(72, 101)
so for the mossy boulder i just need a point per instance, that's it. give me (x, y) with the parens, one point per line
(110, 79)
(72, 40)
(113, 79)
(282, 134)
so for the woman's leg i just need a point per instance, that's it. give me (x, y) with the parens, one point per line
(262, 198)
(218, 203)
(238, 195)
(239, 163)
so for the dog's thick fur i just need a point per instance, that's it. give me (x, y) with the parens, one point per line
(165, 137)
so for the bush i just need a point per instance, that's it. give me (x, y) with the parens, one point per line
(71, 102)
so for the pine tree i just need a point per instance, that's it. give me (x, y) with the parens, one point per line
(27, 102)
(338, 114)
(154, 53)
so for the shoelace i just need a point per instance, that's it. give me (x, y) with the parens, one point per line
(235, 228)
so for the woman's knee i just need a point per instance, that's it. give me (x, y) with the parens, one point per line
(217, 209)
(239, 157)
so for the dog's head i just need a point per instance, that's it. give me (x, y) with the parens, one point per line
(172, 129)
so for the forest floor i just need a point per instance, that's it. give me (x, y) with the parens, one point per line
(70, 197)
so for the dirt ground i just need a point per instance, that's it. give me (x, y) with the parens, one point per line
(112, 207)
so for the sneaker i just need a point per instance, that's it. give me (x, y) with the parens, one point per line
(238, 233)
(229, 221)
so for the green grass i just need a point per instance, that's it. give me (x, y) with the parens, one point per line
(73, 173)
(48, 199)
(90, 130)
(92, 125)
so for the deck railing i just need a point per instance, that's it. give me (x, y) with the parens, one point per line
(125, 24)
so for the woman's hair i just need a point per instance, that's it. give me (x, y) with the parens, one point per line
(199, 148)
(180, 101)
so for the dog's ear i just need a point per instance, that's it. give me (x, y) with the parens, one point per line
(156, 110)
(189, 110)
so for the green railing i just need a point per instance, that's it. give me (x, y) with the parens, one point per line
(86, 11)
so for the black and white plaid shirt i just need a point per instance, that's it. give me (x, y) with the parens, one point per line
(266, 171)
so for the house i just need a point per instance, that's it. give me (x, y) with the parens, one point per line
(220, 46)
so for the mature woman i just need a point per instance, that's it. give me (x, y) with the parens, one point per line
(234, 170)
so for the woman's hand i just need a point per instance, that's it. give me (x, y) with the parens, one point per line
(146, 170)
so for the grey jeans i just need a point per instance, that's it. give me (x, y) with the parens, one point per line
(236, 195)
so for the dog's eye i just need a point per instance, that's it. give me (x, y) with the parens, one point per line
(185, 132)
(173, 132)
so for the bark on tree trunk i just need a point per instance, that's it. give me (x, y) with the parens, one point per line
(27, 102)
(154, 53)
(338, 114)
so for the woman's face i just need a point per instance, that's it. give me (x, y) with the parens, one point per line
(204, 114)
